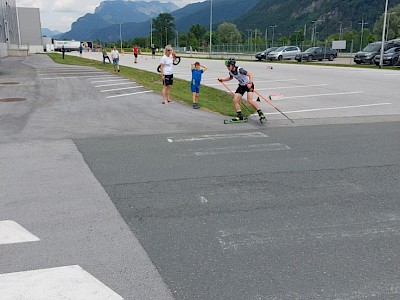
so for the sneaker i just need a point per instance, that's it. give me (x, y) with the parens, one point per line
(196, 106)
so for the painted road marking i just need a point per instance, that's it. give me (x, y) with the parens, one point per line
(319, 95)
(217, 137)
(292, 87)
(12, 233)
(242, 149)
(123, 95)
(329, 108)
(112, 84)
(110, 80)
(125, 88)
(235, 82)
(70, 73)
(69, 282)
(74, 77)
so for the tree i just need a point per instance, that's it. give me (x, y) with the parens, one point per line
(163, 29)
(228, 33)
(393, 18)
(198, 32)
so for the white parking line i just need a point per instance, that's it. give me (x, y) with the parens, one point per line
(241, 149)
(12, 233)
(74, 77)
(109, 80)
(69, 282)
(111, 84)
(328, 108)
(70, 73)
(319, 95)
(217, 137)
(126, 88)
(292, 87)
(116, 96)
(261, 81)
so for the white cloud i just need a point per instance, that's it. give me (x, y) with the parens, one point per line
(60, 14)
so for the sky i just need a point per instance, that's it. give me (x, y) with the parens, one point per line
(60, 14)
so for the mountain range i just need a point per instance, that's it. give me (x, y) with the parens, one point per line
(104, 23)
(286, 16)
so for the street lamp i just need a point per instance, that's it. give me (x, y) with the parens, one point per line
(211, 5)
(383, 36)
(387, 30)
(273, 34)
(362, 30)
(314, 32)
(266, 38)
(151, 32)
(120, 35)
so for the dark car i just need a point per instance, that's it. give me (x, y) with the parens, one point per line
(317, 53)
(390, 57)
(368, 54)
(263, 54)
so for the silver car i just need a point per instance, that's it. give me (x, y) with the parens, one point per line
(284, 52)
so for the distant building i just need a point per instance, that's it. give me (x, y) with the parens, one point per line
(9, 36)
(30, 33)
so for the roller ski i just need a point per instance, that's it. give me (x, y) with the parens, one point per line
(262, 117)
(236, 120)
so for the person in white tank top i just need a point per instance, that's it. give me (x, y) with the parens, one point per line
(246, 84)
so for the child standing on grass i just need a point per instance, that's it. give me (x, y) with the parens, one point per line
(197, 71)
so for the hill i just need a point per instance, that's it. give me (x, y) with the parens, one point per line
(110, 13)
(104, 24)
(292, 15)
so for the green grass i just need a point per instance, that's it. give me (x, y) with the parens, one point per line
(210, 99)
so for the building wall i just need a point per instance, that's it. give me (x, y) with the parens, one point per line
(9, 36)
(30, 28)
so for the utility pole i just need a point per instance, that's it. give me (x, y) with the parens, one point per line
(362, 30)
(211, 6)
(273, 34)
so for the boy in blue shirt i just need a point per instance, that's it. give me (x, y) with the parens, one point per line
(197, 71)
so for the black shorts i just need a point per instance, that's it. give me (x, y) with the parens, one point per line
(168, 80)
(244, 88)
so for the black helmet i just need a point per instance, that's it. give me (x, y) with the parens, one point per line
(231, 61)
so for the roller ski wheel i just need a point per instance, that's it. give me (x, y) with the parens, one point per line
(235, 120)
(263, 119)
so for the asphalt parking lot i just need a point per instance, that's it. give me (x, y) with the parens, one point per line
(108, 194)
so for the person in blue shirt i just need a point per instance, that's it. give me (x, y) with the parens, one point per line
(197, 71)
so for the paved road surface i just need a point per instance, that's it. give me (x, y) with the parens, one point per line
(109, 196)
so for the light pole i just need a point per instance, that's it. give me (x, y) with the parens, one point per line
(273, 34)
(340, 31)
(151, 32)
(387, 29)
(120, 35)
(383, 36)
(266, 38)
(166, 36)
(211, 5)
(314, 32)
(362, 29)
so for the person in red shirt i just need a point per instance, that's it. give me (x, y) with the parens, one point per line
(135, 52)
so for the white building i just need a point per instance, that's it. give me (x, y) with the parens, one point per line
(9, 36)
(30, 33)
(20, 29)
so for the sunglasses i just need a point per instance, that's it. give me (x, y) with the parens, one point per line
(169, 50)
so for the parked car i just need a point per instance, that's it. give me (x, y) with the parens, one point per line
(390, 57)
(263, 54)
(317, 53)
(368, 54)
(284, 52)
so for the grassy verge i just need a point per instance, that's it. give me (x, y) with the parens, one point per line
(210, 99)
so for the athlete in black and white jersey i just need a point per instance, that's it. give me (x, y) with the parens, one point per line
(246, 84)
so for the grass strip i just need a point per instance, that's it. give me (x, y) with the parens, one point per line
(210, 99)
